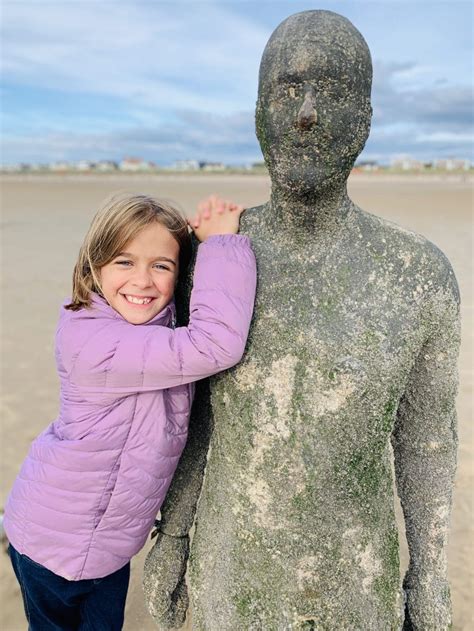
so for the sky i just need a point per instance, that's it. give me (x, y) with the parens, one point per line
(167, 81)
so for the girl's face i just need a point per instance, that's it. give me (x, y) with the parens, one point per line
(140, 281)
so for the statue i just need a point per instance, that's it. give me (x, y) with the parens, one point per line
(353, 347)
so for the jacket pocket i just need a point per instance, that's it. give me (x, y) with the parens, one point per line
(178, 402)
(106, 495)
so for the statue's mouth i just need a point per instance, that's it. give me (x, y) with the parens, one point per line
(311, 148)
(312, 141)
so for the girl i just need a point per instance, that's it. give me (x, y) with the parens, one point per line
(93, 481)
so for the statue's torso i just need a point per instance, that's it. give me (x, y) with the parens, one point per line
(295, 526)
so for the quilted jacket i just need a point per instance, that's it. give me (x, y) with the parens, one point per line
(93, 481)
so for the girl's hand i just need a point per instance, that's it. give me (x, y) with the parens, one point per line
(215, 216)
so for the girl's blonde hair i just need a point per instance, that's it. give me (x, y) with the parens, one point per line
(121, 217)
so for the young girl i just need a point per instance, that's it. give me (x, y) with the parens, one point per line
(93, 481)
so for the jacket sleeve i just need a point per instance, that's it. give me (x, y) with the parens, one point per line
(122, 358)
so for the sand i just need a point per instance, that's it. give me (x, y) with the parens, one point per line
(44, 219)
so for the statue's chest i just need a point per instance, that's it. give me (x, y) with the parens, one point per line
(333, 307)
(331, 342)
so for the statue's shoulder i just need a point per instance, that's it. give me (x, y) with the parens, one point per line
(419, 256)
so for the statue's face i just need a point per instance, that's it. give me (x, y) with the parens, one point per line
(313, 110)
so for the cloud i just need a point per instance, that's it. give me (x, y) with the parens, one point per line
(198, 135)
(442, 105)
(446, 137)
(105, 79)
(427, 120)
(385, 144)
(134, 51)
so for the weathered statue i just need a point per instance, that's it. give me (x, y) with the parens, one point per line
(354, 345)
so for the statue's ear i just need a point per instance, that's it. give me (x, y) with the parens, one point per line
(259, 119)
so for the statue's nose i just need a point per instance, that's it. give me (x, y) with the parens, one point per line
(307, 115)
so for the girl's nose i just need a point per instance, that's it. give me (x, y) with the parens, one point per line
(142, 278)
(307, 115)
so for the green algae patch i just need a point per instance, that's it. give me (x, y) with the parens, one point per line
(386, 585)
(370, 340)
(364, 472)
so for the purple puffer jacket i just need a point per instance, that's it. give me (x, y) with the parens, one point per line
(93, 481)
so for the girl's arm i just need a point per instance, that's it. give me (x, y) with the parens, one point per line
(121, 358)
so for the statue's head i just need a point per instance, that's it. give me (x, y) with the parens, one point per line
(313, 110)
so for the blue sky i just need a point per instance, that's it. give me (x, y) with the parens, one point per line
(102, 79)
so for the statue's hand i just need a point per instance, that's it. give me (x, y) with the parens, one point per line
(428, 602)
(164, 585)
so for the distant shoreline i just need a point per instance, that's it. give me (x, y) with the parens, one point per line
(458, 177)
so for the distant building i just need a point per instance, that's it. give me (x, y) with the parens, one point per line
(136, 164)
(406, 163)
(368, 165)
(14, 168)
(37, 166)
(106, 165)
(84, 165)
(185, 165)
(212, 166)
(452, 164)
(59, 167)
(130, 164)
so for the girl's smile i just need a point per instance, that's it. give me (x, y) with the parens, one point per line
(137, 300)
(140, 282)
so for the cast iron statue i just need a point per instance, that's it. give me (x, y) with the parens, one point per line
(353, 349)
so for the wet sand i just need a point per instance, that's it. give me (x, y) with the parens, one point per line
(44, 219)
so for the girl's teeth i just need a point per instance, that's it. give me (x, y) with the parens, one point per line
(138, 301)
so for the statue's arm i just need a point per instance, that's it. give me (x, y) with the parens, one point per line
(179, 507)
(165, 566)
(425, 444)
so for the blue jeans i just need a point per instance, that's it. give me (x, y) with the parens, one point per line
(53, 603)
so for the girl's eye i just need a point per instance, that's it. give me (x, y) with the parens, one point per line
(124, 263)
(161, 267)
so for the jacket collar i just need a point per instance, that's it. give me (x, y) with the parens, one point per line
(166, 317)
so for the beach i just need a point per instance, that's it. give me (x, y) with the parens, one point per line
(44, 219)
